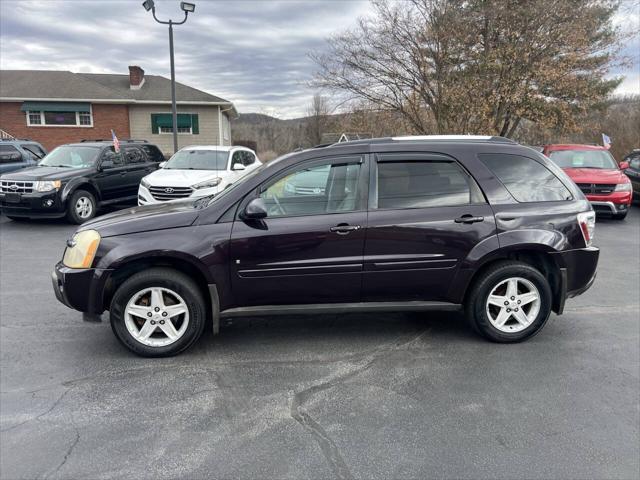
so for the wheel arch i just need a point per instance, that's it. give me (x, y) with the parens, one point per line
(128, 267)
(539, 256)
(80, 184)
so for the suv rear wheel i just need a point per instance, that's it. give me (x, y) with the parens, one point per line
(509, 302)
(81, 207)
(158, 313)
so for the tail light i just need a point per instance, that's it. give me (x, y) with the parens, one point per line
(587, 222)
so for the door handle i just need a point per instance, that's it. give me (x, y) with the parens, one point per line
(344, 229)
(468, 219)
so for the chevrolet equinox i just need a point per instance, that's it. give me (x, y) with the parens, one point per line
(478, 224)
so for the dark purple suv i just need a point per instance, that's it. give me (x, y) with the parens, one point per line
(479, 224)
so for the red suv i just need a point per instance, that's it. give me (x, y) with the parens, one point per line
(597, 174)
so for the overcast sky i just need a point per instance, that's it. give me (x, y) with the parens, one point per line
(253, 53)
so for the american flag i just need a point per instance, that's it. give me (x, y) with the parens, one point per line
(116, 142)
(606, 141)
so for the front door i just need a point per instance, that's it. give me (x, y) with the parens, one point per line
(112, 179)
(426, 214)
(309, 248)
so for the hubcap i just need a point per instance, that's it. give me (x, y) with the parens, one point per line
(84, 207)
(513, 305)
(156, 316)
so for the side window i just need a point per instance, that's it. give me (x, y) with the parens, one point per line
(248, 158)
(116, 158)
(330, 187)
(133, 155)
(153, 153)
(35, 151)
(526, 179)
(237, 157)
(420, 184)
(9, 154)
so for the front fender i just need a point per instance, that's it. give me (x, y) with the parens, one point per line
(74, 184)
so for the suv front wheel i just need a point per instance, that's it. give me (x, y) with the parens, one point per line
(158, 312)
(510, 302)
(81, 207)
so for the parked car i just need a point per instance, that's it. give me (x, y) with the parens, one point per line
(19, 153)
(633, 171)
(409, 223)
(597, 174)
(77, 179)
(197, 171)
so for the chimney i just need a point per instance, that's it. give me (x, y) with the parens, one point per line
(136, 77)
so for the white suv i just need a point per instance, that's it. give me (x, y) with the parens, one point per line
(196, 171)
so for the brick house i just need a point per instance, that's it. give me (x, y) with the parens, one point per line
(56, 107)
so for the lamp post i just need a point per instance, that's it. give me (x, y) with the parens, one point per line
(186, 8)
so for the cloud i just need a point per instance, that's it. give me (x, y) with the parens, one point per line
(252, 52)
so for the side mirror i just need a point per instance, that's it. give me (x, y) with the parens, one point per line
(255, 210)
(162, 164)
(238, 167)
(624, 165)
(106, 164)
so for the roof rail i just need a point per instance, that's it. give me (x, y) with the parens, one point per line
(123, 140)
(473, 138)
(16, 139)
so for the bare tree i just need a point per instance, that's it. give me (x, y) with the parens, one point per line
(317, 119)
(478, 66)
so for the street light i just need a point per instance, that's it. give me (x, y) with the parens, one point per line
(186, 8)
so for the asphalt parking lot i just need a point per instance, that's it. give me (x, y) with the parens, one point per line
(334, 396)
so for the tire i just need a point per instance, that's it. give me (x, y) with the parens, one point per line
(485, 317)
(620, 216)
(175, 287)
(74, 213)
(17, 219)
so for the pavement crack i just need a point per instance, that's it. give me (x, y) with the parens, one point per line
(67, 454)
(299, 414)
(39, 416)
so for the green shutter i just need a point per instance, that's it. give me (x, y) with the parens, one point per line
(155, 128)
(194, 124)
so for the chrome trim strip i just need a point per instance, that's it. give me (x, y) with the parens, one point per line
(611, 206)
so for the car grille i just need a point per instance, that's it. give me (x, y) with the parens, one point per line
(170, 193)
(16, 186)
(597, 188)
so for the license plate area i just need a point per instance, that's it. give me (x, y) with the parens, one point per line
(12, 197)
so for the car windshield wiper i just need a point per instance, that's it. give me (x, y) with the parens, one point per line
(62, 166)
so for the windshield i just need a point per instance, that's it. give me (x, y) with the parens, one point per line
(583, 159)
(198, 160)
(71, 157)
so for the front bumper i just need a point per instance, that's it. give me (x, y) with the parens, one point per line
(145, 197)
(617, 202)
(80, 288)
(36, 205)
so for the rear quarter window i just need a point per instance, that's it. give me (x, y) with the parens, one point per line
(526, 179)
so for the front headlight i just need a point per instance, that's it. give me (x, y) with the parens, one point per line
(81, 250)
(623, 187)
(208, 184)
(145, 183)
(46, 185)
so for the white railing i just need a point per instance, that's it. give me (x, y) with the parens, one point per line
(5, 135)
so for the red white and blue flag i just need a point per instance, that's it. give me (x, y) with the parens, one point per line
(116, 142)
(606, 141)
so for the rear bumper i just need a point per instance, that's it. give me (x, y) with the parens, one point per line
(579, 268)
(80, 289)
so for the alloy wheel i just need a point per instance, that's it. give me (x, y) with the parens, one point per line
(84, 207)
(513, 304)
(156, 316)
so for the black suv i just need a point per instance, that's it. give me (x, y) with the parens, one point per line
(77, 179)
(411, 223)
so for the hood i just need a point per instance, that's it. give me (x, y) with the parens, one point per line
(167, 177)
(595, 175)
(47, 173)
(145, 218)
